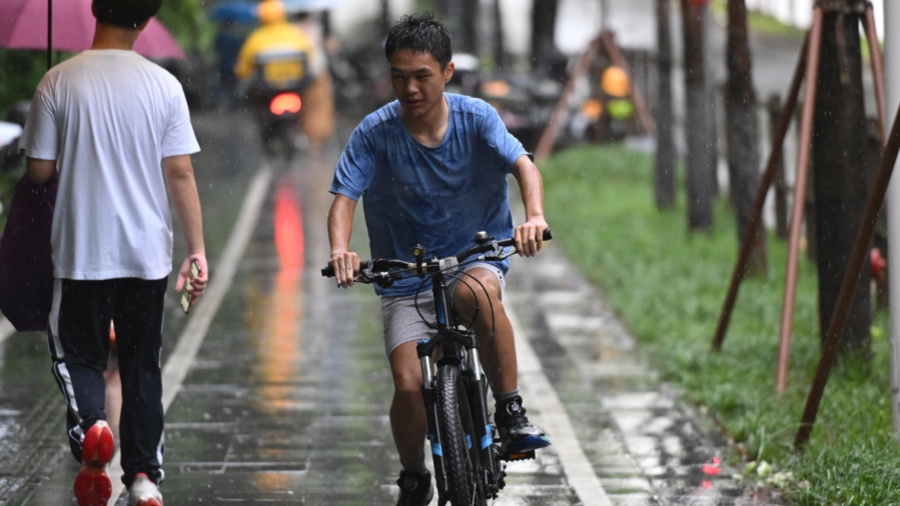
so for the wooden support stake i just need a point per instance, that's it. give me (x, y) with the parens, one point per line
(551, 130)
(877, 67)
(804, 148)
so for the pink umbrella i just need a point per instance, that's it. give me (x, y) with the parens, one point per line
(24, 25)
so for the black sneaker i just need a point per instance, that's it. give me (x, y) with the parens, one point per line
(517, 434)
(415, 489)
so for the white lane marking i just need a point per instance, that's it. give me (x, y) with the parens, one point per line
(554, 419)
(6, 329)
(181, 358)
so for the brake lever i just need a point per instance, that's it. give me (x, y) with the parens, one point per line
(384, 280)
(374, 273)
(496, 252)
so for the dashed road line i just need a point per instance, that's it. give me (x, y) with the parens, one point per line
(553, 417)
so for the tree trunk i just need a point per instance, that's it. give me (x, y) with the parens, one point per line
(447, 12)
(386, 21)
(840, 185)
(499, 45)
(700, 173)
(543, 45)
(780, 184)
(743, 131)
(664, 180)
(468, 33)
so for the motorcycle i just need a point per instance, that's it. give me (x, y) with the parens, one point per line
(275, 94)
(279, 124)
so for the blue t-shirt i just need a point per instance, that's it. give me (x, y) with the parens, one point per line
(437, 197)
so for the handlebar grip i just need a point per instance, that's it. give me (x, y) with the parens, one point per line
(547, 234)
(328, 271)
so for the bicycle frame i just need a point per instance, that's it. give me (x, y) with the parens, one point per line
(459, 349)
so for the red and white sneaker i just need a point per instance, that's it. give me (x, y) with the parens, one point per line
(92, 485)
(143, 492)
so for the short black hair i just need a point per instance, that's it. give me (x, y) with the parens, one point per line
(129, 14)
(422, 34)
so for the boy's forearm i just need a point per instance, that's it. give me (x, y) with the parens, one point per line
(186, 200)
(340, 224)
(531, 187)
(40, 171)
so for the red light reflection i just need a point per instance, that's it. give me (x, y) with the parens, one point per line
(289, 241)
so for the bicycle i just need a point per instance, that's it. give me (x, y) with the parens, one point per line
(465, 443)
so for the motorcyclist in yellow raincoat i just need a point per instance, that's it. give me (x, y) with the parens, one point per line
(277, 36)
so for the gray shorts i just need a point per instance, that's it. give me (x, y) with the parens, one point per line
(403, 322)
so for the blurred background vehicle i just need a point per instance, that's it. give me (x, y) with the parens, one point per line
(525, 101)
(466, 78)
(274, 69)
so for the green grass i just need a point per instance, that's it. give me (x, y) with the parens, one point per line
(669, 285)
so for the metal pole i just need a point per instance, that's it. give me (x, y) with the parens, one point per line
(848, 286)
(49, 34)
(784, 122)
(806, 128)
(892, 81)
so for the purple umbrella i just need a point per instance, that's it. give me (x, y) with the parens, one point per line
(25, 24)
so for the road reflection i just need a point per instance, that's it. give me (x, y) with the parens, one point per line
(277, 322)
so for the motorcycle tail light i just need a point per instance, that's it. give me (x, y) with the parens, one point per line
(285, 103)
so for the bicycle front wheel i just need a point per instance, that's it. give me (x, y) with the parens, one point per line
(458, 466)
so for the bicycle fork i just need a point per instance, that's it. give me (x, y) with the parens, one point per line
(488, 439)
(485, 436)
(428, 395)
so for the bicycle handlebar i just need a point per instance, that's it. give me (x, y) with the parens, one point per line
(378, 271)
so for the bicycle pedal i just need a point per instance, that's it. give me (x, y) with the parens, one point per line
(519, 456)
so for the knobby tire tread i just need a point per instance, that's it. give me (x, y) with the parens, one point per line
(474, 470)
(453, 443)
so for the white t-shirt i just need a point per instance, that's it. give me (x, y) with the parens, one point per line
(109, 117)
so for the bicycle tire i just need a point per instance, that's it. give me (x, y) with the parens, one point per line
(475, 469)
(456, 456)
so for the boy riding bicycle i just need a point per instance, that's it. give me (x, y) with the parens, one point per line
(433, 169)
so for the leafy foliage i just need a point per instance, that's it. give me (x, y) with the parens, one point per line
(189, 24)
(21, 71)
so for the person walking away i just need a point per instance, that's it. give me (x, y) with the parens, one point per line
(116, 130)
(433, 168)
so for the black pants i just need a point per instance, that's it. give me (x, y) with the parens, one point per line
(78, 336)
